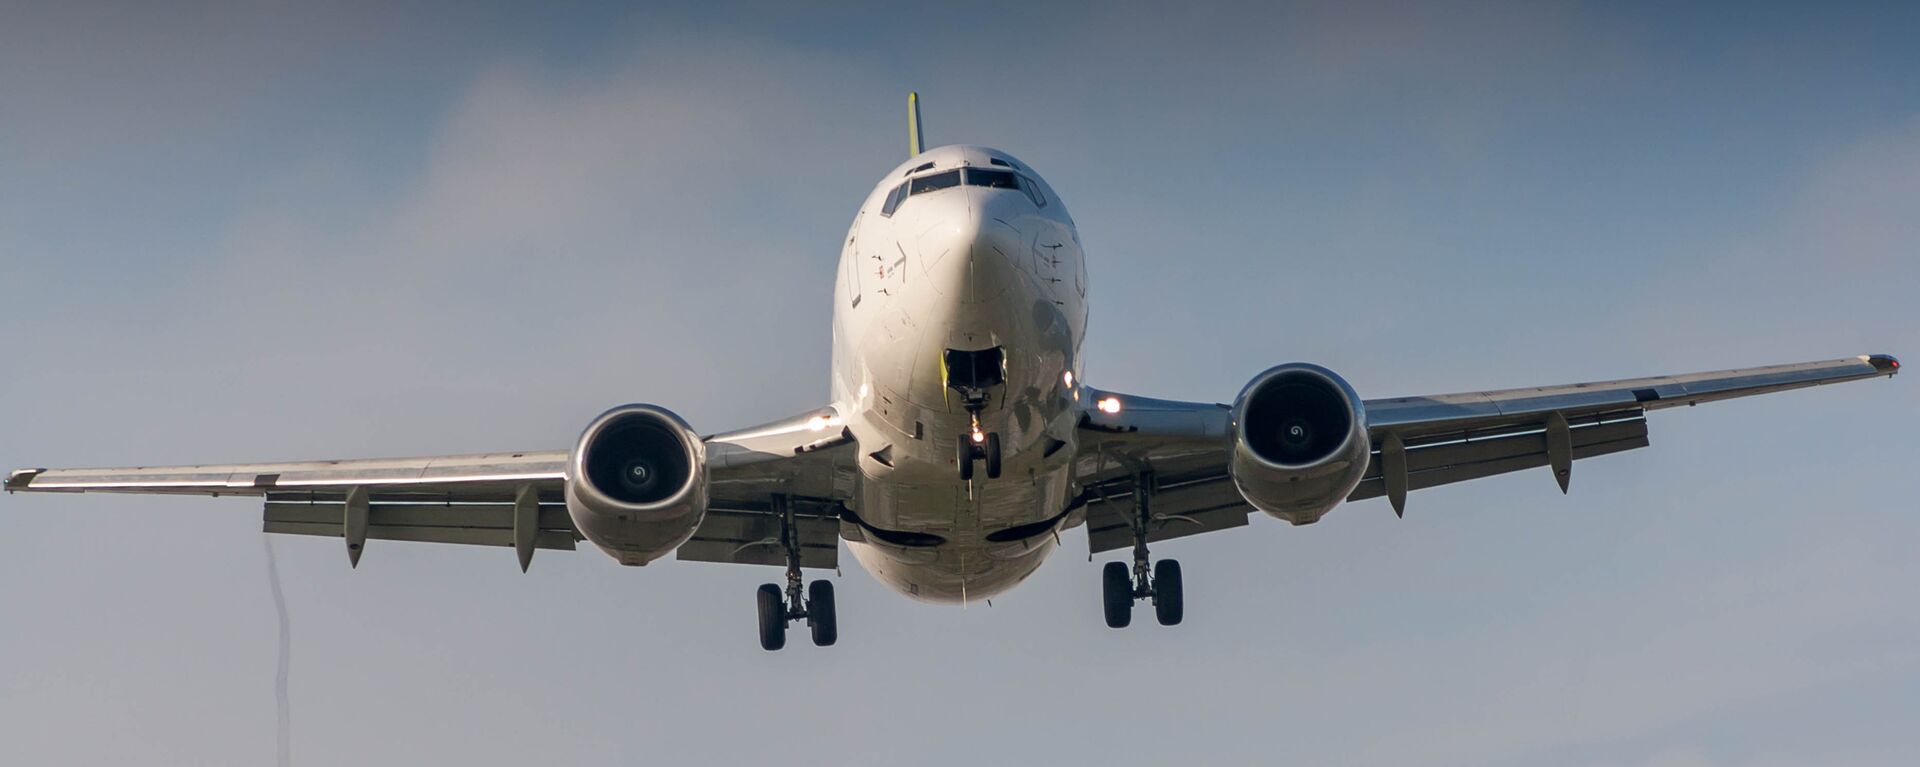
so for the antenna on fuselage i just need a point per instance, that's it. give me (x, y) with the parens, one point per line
(915, 144)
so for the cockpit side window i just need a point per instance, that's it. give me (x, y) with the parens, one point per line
(1032, 189)
(935, 182)
(992, 179)
(893, 200)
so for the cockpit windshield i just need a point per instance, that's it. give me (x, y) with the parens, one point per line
(934, 182)
(995, 179)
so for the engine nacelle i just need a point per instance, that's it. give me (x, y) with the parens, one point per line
(637, 483)
(1300, 442)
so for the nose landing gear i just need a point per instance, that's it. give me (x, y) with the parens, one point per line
(1159, 582)
(977, 445)
(973, 374)
(813, 603)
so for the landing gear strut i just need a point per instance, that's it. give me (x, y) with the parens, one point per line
(814, 603)
(1159, 582)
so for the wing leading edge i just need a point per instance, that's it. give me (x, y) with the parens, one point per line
(490, 476)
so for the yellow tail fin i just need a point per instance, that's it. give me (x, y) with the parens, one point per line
(915, 144)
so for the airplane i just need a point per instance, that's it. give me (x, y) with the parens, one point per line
(959, 439)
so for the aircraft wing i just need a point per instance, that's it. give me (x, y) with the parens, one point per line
(1429, 441)
(499, 499)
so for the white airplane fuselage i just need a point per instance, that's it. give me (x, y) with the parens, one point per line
(966, 267)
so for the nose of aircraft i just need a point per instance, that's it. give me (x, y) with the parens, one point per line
(970, 255)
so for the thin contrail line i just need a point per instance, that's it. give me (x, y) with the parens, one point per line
(284, 732)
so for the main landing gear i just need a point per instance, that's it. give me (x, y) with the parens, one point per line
(814, 603)
(1121, 586)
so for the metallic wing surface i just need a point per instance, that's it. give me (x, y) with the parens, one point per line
(1412, 443)
(495, 499)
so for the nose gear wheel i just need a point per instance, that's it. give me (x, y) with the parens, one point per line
(975, 446)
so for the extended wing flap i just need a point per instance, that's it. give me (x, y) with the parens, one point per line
(1181, 507)
(470, 524)
(1434, 464)
(752, 537)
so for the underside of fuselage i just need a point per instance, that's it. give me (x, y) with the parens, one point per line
(962, 254)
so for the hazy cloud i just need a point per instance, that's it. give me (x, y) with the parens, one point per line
(304, 232)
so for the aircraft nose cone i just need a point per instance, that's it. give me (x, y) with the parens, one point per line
(971, 258)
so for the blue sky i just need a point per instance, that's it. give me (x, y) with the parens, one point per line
(305, 231)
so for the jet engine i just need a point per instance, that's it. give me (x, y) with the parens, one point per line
(1300, 442)
(637, 483)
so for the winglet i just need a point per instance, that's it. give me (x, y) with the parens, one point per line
(915, 145)
(20, 478)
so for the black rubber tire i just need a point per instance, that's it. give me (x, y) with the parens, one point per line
(963, 457)
(993, 455)
(820, 617)
(773, 618)
(1116, 594)
(1168, 604)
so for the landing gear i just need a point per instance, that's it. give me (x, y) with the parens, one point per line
(813, 603)
(773, 618)
(993, 455)
(1116, 592)
(1121, 586)
(1168, 606)
(820, 613)
(976, 445)
(974, 375)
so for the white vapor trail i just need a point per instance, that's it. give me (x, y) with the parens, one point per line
(284, 724)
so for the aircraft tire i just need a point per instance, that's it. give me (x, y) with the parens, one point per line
(820, 617)
(773, 618)
(1116, 592)
(993, 455)
(1168, 602)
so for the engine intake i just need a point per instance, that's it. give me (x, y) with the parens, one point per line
(637, 482)
(1300, 442)
(1297, 419)
(637, 460)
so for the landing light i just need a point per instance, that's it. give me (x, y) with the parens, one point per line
(820, 422)
(1067, 377)
(1108, 404)
(979, 437)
